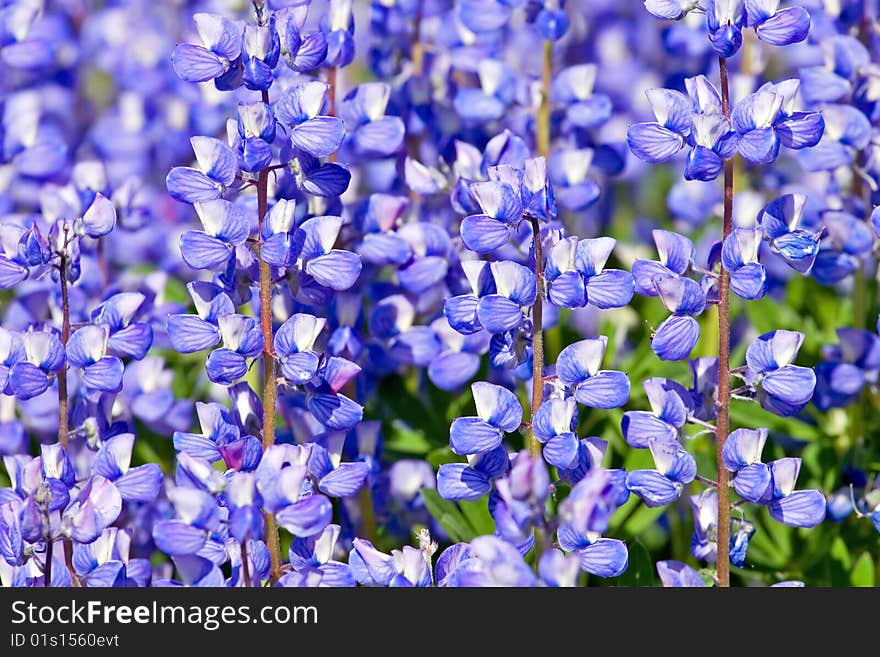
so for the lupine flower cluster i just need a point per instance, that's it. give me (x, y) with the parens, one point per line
(439, 293)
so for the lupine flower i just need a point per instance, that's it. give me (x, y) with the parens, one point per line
(198, 519)
(739, 255)
(803, 508)
(106, 562)
(218, 58)
(242, 339)
(498, 412)
(371, 132)
(126, 337)
(486, 561)
(554, 424)
(191, 333)
(677, 335)
(334, 478)
(41, 356)
(225, 229)
(726, 19)
(558, 570)
(670, 404)
(303, 51)
(518, 500)
(766, 120)
(299, 108)
(256, 131)
(472, 480)
(675, 468)
(578, 367)
(95, 508)
(573, 89)
(489, 101)
(329, 407)
(194, 571)
(569, 172)
(260, 49)
(605, 557)
(334, 268)
(294, 347)
(87, 349)
(844, 59)
(113, 462)
(315, 554)
(780, 220)
(500, 208)
(576, 275)
(515, 290)
(591, 502)
(338, 27)
(848, 241)
(847, 368)
(676, 258)
(660, 140)
(704, 542)
(847, 131)
(784, 388)
(217, 168)
(220, 439)
(459, 358)
(678, 574)
(245, 519)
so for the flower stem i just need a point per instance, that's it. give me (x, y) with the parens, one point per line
(368, 513)
(47, 567)
(542, 144)
(63, 428)
(63, 402)
(270, 384)
(418, 48)
(542, 131)
(537, 335)
(245, 566)
(722, 423)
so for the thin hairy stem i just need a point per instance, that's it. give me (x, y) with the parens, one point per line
(47, 567)
(63, 401)
(537, 335)
(245, 566)
(542, 131)
(63, 427)
(722, 422)
(270, 385)
(418, 48)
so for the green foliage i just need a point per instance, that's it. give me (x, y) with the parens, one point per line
(460, 523)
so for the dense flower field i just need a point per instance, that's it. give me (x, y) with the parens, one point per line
(439, 293)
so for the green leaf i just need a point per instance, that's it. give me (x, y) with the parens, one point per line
(840, 563)
(840, 553)
(442, 455)
(448, 516)
(863, 571)
(406, 440)
(477, 514)
(640, 571)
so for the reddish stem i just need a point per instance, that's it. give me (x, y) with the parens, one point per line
(537, 336)
(722, 424)
(270, 391)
